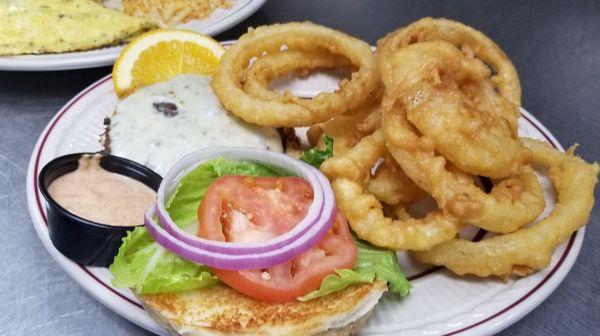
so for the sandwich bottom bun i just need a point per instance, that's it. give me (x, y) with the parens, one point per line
(220, 310)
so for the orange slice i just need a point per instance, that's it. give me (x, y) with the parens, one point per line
(162, 54)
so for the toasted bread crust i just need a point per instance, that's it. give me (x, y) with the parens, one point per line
(220, 310)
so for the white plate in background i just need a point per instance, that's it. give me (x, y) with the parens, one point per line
(219, 20)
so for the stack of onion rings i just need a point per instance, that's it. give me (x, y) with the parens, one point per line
(427, 118)
(443, 105)
(423, 91)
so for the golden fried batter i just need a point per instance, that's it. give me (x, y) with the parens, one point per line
(531, 248)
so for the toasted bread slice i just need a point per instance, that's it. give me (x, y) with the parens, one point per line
(220, 310)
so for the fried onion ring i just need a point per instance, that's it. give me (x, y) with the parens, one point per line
(346, 130)
(531, 248)
(512, 203)
(471, 41)
(443, 94)
(390, 184)
(350, 173)
(271, 66)
(293, 111)
(356, 163)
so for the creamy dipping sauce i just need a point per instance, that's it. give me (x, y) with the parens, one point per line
(98, 195)
(159, 124)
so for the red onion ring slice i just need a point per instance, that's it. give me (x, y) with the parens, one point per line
(231, 261)
(228, 255)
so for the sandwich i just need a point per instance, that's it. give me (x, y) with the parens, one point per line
(330, 287)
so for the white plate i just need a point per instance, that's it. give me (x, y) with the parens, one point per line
(220, 20)
(439, 304)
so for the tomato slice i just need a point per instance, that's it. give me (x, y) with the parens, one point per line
(255, 209)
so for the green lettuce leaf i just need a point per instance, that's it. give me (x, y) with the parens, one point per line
(338, 282)
(315, 156)
(148, 268)
(385, 265)
(371, 264)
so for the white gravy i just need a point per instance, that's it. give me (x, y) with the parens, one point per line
(159, 124)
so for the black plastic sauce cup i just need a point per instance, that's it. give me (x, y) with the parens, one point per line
(81, 240)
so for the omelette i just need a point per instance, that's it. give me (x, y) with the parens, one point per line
(56, 26)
